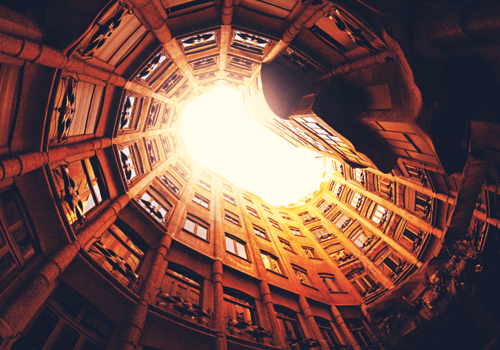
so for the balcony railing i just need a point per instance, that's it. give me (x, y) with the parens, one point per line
(183, 308)
(244, 330)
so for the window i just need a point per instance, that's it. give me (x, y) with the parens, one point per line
(266, 208)
(119, 251)
(295, 231)
(358, 330)
(80, 187)
(252, 211)
(236, 246)
(286, 245)
(321, 233)
(358, 175)
(306, 217)
(171, 183)
(205, 203)
(180, 170)
(386, 187)
(342, 221)
(130, 161)
(302, 276)
(337, 189)
(238, 310)
(207, 175)
(327, 332)
(153, 115)
(248, 198)
(289, 325)
(229, 199)
(166, 144)
(156, 209)
(311, 254)
(380, 215)
(260, 232)
(274, 223)
(182, 284)
(423, 204)
(65, 322)
(324, 206)
(331, 283)
(271, 262)
(131, 111)
(338, 254)
(232, 218)
(152, 152)
(154, 68)
(361, 281)
(16, 243)
(357, 201)
(227, 187)
(285, 216)
(197, 227)
(204, 185)
(418, 174)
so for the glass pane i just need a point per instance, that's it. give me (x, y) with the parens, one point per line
(202, 232)
(39, 332)
(66, 340)
(23, 241)
(241, 250)
(88, 345)
(10, 209)
(7, 266)
(230, 245)
(189, 226)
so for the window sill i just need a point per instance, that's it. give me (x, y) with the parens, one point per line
(277, 273)
(195, 235)
(305, 285)
(319, 259)
(236, 255)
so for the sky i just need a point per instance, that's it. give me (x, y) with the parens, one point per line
(221, 137)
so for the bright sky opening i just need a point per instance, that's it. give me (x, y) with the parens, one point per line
(221, 136)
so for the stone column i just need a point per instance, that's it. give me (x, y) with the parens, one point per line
(24, 163)
(217, 317)
(27, 301)
(137, 317)
(311, 322)
(227, 11)
(343, 327)
(277, 333)
(154, 19)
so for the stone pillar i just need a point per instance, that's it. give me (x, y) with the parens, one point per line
(483, 217)
(414, 219)
(277, 333)
(24, 163)
(154, 19)
(227, 11)
(311, 322)
(217, 317)
(364, 311)
(28, 300)
(137, 317)
(343, 327)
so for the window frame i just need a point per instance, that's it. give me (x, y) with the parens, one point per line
(197, 223)
(302, 275)
(274, 223)
(229, 199)
(286, 245)
(330, 287)
(262, 233)
(206, 186)
(253, 212)
(237, 243)
(232, 217)
(202, 201)
(278, 269)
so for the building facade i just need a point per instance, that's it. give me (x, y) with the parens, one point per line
(112, 237)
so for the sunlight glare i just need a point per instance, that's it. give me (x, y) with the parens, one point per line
(221, 137)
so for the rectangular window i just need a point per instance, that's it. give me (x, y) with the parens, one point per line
(342, 221)
(358, 175)
(80, 186)
(302, 276)
(360, 239)
(227, 187)
(232, 218)
(331, 283)
(16, 242)
(238, 314)
(248, 198)
(321, 233)
(386, 187)
(152, 152)
(380, 215)
(204, 185)
(274, 223)
(357, 201)
(266, 208)
(166, 144)
(260, 232)
(179, 285)
(306, 217)
(311, 254)
(417, 174)
(180, 170)
(286, 245)
(205, 203)
(207, 175)
(130, 113)
(324, 206)
(252, 211)
(171, 183)
(358, 330)
(131, 162)
(196, 227)
(153, 115)
(295, 231)
(229, 199)
(285, 216)
(236, 246)
(158, 209)
(337, 189)
(271, 262)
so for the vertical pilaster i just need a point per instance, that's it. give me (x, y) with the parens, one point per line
(218, 320)
(311, 322)
(343, 327)
(277, 334)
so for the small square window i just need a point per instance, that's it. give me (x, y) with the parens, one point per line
(331, 283)
(232, 217)
(236, 246)
(252, 211)
(306, 217)
(229, 199)
(205, 203)
(196, 227)
(286, 245)
(204, 185)
(295, 231)
(171, 183)
(271, 262)
(260, 232)
(302, 276)
(274, 223)
(311, 254)
(155, 208)
(342, 221)
(324, 206)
